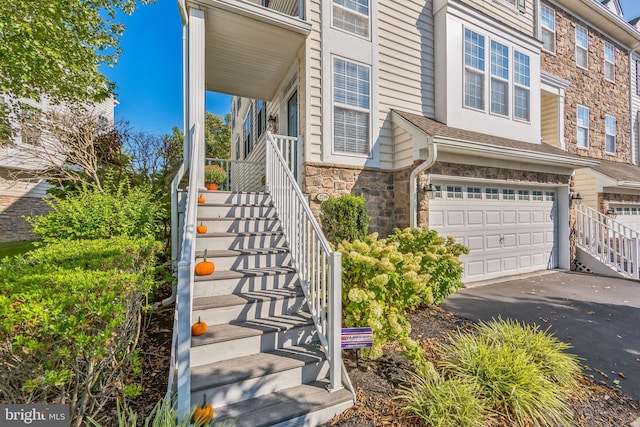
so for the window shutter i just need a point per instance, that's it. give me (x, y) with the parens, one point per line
(522, 5)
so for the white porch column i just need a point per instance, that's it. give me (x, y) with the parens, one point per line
(561, 120)
(196, 87)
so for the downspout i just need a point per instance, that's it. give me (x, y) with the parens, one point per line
(185, 122)
(432, 154)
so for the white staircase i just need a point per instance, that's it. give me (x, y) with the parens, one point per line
(271, 354)
(260, 362)
(605, 246)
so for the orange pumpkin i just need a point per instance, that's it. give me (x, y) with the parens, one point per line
(204, 268)
(201, 199)
(198, 328)
(201, 229)
(203, 414)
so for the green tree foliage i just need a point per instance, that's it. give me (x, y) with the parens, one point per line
(54, 48)
(217, 135)
(70, 318)
(344, 218)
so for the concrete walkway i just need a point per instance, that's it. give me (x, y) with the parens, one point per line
(599, 316)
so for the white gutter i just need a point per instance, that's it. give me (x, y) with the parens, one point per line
(182, 7)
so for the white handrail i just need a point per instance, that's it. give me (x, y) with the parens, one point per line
(319, 268)
(611, 242)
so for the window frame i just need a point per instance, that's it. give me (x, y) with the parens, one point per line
(525, 87)
(552, 12)
(611, 63)
(579, 126)
(471, 69)
(613, 135)
(493, 76)
(354, 108)
(580, 27)
(348, 10)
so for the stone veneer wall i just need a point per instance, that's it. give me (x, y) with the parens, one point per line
(384, 204)
(12, 226)
(590, 89)
(605, 198)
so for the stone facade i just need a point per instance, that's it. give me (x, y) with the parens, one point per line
(460, 170)
(12, 226)
(589, 88)
(605, 198)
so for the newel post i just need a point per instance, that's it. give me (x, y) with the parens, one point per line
(335, 321)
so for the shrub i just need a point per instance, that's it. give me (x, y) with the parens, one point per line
(441, 402)
(344, 218)
(505, 362)
(214, 174)
(93, 214)
(70, 322)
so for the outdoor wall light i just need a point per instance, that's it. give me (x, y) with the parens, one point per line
(576, 198)
(430, 190)
(611, 213)
(272, 120)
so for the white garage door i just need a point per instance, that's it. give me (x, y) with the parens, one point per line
(508, 230)
(628, 215)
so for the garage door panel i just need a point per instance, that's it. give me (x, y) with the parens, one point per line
(503, 236)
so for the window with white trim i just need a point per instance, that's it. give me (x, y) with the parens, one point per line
(248, 133)
(610, 134)
(548, 21)
(492, 194)
(536, 195)
(474, 193)
(523, 194)
(352, 16)
(499, 78)
(454, 192)
(351, 107)
(583, 126)
(549, 196)
(521, 85)
(609, 62)
(582, 46)
(508, 194)
(473, 70)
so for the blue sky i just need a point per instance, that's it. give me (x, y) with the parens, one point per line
(149, 72)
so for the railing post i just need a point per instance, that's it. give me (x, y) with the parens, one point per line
(335, 320)
(184, 339)
(299, 161)
(634, 256)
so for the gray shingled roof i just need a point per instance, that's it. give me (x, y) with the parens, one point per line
(434, 128)
(618, 171)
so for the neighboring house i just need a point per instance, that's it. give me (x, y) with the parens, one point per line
(24, 196)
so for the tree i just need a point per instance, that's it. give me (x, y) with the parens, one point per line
(218, 136)
(54, 48)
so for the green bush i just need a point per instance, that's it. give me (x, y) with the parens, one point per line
(384, 279)
(71, 316)
(506, 364)
(93, 214)
(441, 402)
(344, 218)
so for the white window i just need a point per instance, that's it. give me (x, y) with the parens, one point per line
(473, 70)
(536, 195)
(521, 82)
(454, 192)
(492, 194)
(351, 104)
(583, 126)
(499, 78)
(248, 133)
(508, 194)
(474, 193)
(609, 62)
(582, 46)
(548, 20)
(352, 16)
(523, 194)
(610, 132)
(549, 196)
(437, 191)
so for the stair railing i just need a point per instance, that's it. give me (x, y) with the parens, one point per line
(609, 241)
(319, 268)
(180, 363)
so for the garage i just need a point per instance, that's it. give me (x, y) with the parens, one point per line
(508, 229)
(627, 215)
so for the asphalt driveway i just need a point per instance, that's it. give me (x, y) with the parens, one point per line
(599, 316)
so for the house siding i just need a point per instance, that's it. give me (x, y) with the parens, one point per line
(585, 184)
(549, 120)
(635, 110)
(589, 88)
(504, 11)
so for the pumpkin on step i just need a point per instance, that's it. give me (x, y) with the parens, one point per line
(201, 199)
(203, 414)
(201, 229)
(204, 268)
(198, 328)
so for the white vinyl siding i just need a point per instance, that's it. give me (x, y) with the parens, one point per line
(499, 78)
(548, 21)
(474, 70)
(505, 11)
(351, 107)
(582, 46)
(610, 134)
(609, 62)
(352, 16)
(583, 126)
(522, 83)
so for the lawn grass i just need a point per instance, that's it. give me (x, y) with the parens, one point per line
(12, 249)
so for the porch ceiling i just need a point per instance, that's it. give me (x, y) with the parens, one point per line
(248, 48)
